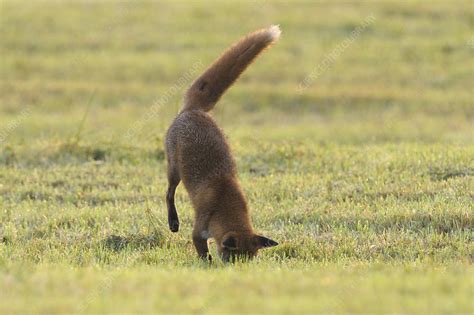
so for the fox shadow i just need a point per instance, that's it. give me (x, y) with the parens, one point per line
(133, 241)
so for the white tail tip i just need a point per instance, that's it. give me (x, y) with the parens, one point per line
(274, 32)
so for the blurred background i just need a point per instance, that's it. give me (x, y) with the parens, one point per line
(105, 67)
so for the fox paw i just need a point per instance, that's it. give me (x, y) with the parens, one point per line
(174, 225)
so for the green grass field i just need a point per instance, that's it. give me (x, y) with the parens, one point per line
(360, 165)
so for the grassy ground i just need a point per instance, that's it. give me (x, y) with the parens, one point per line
(360, 166)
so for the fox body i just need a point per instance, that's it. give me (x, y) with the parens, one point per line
(199, 156)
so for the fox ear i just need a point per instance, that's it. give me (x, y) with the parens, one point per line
(265, 241)
(229, 242)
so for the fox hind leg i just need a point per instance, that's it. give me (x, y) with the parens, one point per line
(173, 182)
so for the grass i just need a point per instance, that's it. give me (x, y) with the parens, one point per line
(365, 177)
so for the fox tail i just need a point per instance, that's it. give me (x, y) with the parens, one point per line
(209, 87)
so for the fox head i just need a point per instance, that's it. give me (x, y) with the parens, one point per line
(242, 245)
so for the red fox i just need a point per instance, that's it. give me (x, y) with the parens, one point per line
(198, 154)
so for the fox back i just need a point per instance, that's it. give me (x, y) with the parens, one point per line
(199, 148)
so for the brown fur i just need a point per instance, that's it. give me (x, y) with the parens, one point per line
(198, 154)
